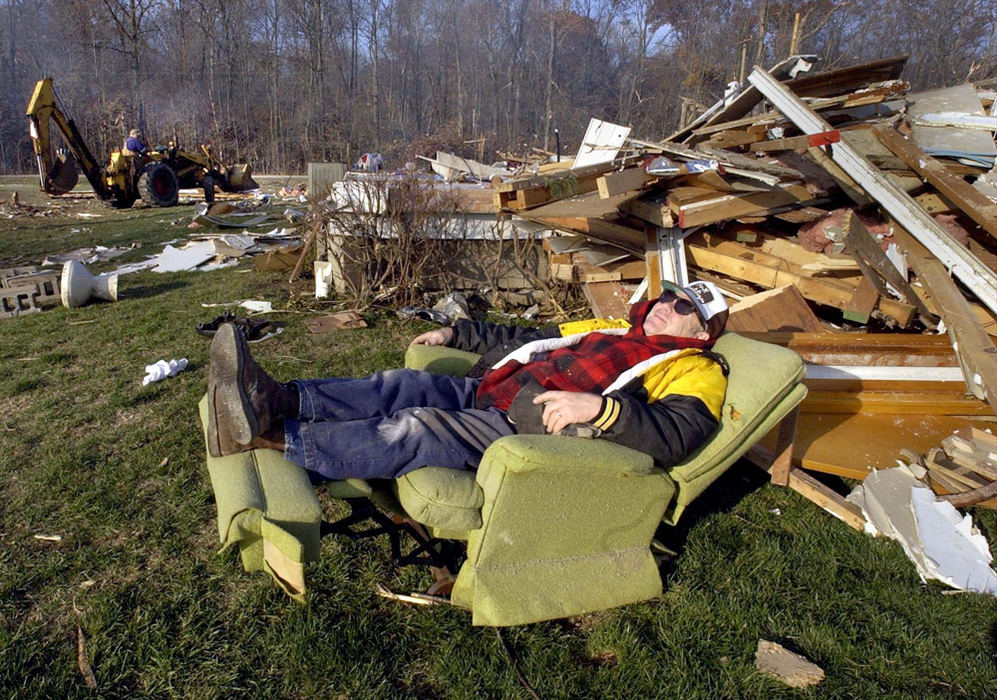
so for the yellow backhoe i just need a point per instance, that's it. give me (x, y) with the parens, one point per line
(155, 176)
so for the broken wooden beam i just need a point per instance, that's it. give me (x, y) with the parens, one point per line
(974, 203)
(744, 263)
(973, 273)
(974, 348)
(878, 269)
(627, 180)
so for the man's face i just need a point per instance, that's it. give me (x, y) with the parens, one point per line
(663, 319)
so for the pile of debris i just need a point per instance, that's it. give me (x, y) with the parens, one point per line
(831, 207)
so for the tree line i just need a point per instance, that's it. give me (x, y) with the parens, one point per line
(282, 82)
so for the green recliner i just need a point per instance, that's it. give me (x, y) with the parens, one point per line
(555, 526)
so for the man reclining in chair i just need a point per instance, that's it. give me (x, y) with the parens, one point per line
(651, 384)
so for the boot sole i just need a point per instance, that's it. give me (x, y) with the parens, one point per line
(229, 405)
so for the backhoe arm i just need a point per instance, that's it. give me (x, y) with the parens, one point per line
(42, 110)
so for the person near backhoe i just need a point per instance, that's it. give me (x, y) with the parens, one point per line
(651, 384)
(134, 146)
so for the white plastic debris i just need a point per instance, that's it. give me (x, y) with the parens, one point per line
(263, 307)
(163, 369)
(943, 544)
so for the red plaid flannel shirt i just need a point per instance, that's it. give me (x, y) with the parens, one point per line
(590, 365)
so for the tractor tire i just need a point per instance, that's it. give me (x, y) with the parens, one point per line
(158, 186)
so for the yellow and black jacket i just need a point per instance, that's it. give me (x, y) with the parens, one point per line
(666, 408)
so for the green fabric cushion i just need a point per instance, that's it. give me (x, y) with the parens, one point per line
(268, 507)
(439, 359)
(763, 386)
(350, 488)
(449, 499)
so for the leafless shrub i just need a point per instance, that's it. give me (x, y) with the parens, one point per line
(389, 237)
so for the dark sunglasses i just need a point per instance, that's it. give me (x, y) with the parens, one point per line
(682, 306)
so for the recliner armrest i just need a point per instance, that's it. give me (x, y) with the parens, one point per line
(440, 359)
(570, 455)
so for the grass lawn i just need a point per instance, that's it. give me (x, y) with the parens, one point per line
(117, 471)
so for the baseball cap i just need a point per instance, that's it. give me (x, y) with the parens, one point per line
(711, 307)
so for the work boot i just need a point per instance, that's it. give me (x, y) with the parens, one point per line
(244, 402)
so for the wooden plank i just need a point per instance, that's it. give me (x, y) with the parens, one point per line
(862, 303)
(652, 264)
(974, 203)
(811, 489)
(650, 210)
(586, 205)
(866, 349)
(975, 349)
(607, 299)
(782, 309)
(895, 403)
(732, 206)
(734, 138)
(556, 178)
(792, 143)
(823, 291)
(851, 445)
(625, 181)
(875, 265)
(625, 237)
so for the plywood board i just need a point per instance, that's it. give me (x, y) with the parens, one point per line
(852, 445)
(782, 309)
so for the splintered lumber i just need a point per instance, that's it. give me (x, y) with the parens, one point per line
(533, 191)
(695, 210)
(972, 454)
(877, 268)
(783, 309)
(613, 233)
(964, 487)
(974, 348)
(964, 265)
(815, 85)
(744, 263)
(624, 181)
(651, 207)
(974, 203)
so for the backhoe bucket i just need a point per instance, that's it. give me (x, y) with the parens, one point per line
(63, 176)
(240, 177)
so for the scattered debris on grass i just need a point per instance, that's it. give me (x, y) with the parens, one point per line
(335, 322)
(943, 544)
(82, 661)
(794, 670)
(163, 369)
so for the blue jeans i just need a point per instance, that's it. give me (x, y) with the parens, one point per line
(389, 423)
